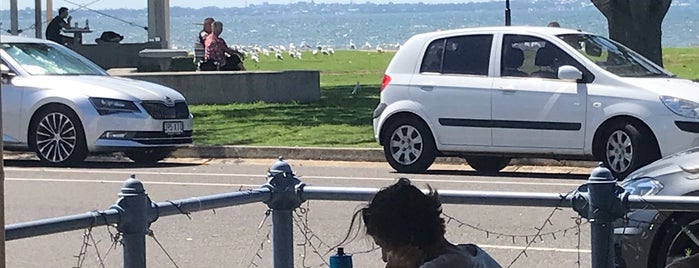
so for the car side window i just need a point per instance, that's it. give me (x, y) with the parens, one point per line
(458, 55)
(529, 56)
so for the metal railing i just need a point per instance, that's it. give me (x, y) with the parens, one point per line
(599, 200)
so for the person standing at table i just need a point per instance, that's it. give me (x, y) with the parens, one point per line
(53, 30)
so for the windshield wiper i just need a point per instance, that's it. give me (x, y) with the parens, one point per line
(658, 75)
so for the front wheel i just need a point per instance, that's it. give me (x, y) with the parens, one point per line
(409, 146)
(57, 136)
(626, 148)
(678, 239)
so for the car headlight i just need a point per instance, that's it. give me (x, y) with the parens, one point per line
(681, 107)
(642, 186)
(112, 106)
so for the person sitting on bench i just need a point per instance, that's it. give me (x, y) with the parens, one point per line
(217, 54)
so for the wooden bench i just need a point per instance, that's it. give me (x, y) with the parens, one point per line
(162, 55)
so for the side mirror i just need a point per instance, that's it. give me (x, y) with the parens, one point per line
(567, 72)
(5, 74)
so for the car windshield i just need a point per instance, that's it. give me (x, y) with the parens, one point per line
(613, 56)
(50, 59)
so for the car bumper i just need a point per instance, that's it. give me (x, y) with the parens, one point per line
(121, 132)
(377, 119)
(674, 133)
(634, 238)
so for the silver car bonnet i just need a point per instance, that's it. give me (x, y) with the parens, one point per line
(101, 86)
(675, 87)
(682, 162)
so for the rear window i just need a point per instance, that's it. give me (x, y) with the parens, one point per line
(458, 55)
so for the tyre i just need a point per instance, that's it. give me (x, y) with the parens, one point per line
(409, 145)
(57, 137)
(626, 149)
(679, 237)
(149, 156)
(487, 164)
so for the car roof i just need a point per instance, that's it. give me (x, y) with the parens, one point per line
(20, 39)
(498, 29)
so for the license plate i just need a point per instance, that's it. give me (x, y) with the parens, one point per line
(173, 128)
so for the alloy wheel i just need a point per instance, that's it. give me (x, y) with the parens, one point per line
(406, 144)
(684, 242)
(619, 151)
(56, 137)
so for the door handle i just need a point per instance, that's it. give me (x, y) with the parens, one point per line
(427, 88)
(508, 91)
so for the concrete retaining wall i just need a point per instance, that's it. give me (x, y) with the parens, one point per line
(113, 55)
(222, 87)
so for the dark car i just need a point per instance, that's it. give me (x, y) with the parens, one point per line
(651, 238)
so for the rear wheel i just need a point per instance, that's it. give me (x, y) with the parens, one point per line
(148, 156)
(678, 239)
(409, 145)
(487, 164)
(57, 136)
(627, 148)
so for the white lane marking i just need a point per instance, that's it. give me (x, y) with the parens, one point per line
(564, 250)
(144, 182)
(302, 177)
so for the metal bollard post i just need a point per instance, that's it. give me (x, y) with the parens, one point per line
(136, 212)
(285, 198)
(599, 201)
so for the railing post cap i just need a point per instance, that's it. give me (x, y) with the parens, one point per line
(280, 166)
(601, 174)
(132, 187)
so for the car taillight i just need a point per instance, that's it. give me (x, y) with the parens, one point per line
(385, 81)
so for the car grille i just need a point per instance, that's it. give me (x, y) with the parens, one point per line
(159, 138)
(159, 110)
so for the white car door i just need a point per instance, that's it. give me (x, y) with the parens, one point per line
(11, 110)
(454, 88)
(531, 107)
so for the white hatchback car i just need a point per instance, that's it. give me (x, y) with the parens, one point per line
(62, 106)
(491, 94)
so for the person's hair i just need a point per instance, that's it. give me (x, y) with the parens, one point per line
(554, 24)
(209, 20)
(402, 215)
(62, 9)
(216, 27)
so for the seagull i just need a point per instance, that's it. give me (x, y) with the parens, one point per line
(331, 50)
(379, 49)
(278, 55)
(357, 88)
(314, 52)
(254, 57)
(298, 55)
(352, 45)
(367, 45)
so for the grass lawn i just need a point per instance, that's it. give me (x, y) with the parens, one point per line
(339, 119)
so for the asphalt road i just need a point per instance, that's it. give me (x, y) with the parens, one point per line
(230, 237)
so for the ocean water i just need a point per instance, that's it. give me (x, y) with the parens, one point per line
(339, 28)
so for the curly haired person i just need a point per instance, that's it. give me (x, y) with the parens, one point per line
(406, 224)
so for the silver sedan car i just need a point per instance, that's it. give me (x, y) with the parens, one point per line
(648, 237)
(62, 106)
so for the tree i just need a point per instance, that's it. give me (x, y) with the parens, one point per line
(636, 24)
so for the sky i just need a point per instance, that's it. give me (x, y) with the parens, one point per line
(139, 4)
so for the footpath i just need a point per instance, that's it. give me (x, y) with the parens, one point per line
(336, 154)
